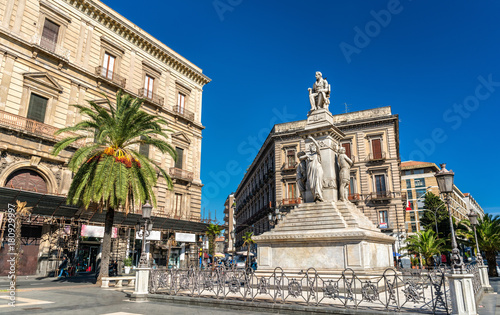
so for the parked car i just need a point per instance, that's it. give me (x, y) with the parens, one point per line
(240, 261)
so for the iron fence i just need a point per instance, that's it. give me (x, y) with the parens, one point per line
(418, 291)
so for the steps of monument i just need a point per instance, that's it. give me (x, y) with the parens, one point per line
(313, 214)
(296, 222)
(313, 227)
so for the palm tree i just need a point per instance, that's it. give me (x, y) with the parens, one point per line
(213, 230)
(427, 244)
(109, 170)
(21, 212)
(248, 241)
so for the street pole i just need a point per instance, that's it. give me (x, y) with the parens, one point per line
(456, 259)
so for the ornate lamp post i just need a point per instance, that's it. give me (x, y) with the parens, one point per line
(473, 221)
(445, 182)
(148, 226)
(274, 216)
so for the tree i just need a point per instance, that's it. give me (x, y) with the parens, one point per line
(109, 170)
(213, 230)
(427, 244)
(435, 205)
(248, 241)
(21, 212)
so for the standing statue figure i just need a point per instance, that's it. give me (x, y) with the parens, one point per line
(345, 164)
(315, 171)
(319, 95)
(301, 176)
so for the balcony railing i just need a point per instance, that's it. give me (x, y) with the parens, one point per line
(354, 197)
(36, 128)
(375, 157)
(181, 174)
(381, 195)
(289, 166)
(50, 46)
(291, 201)
(183, 112)
(110, 76)
(150, 96)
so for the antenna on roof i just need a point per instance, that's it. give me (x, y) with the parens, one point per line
(346, 107)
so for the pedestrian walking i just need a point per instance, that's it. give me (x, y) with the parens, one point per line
(63, 267)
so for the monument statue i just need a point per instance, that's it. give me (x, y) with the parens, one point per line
(315, 171)
(301, 175)
(345, 164)
(319, 95)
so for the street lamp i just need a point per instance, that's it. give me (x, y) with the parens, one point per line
(148, 226)
(445, 182)
(473, 221)
(274, 216)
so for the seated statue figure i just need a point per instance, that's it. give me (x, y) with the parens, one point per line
(319, 95)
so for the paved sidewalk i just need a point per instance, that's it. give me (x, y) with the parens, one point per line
(490, 304)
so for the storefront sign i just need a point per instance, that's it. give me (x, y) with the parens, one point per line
(96, 231)
(185, 237)
(153, 236)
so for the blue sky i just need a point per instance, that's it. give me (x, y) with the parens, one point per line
(436, 63)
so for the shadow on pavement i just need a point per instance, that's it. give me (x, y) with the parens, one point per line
(82, 277)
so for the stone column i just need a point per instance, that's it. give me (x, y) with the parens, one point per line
(485, 280)
(462, 294)
(141, 283)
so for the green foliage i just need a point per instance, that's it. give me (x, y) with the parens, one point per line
(425, 243)
(248, 241)
(434, 205)
(109, 170)
(213, 230)
(127, 262)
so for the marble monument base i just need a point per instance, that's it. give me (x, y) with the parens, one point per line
(327, 236)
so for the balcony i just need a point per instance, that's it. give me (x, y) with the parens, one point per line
(35, 128)
(354, 197)
(50, 46)
(291, 201)
(110, 76)
(381, 195)
(289, 166)
(150, 97)
(181, 174)
(181, 111)
(375, 157)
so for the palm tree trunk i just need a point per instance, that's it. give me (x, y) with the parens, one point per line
(492, 263)
(106, 245)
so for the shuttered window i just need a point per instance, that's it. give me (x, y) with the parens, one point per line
(108, 66)
(347, 147)
(37, 108)
(180, 156)
(178, 205)
(376, 149)
(380, 184)
(49, 35)
(292, 191)
(290, 157)
(148, 86)
(181, 100)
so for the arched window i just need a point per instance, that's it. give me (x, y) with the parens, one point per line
(26, 179)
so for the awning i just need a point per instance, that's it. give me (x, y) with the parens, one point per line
(55, 206)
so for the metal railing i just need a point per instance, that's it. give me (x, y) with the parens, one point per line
(376, 157)
(289, 166)
(381, 195)
(35, 128)
(354, 197)
(110, 76)
(183, 112)
(389, 290)
(291, 201)
(150, 96)
(50, 46)
(181, 174)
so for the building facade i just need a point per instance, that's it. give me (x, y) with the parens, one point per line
(60, 52)
(372, 142)
(229, 223)
(417, 180)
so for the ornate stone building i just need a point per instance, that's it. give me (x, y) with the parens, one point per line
(229, 223)
(372, 142)
(61, 52)
(417, 179)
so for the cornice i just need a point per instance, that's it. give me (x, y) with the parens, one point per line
(117, 25)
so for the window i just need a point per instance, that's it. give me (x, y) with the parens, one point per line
(418, 171)
(144, 148)
(347, 147)
(420, 193)
(408, 183)
(419, 182)
(410, 194)
(412, 216)
(148, 86)
(290, 158)
(108, 66)
(181, 100)
(352, 185)
(414, 227)
(292, 191)
(380, 184)
(411, 204)
(37, 108)
(49, 35)
(178, 205)
(376, 149)
(180, 156)
(407, 173)
(383, 219)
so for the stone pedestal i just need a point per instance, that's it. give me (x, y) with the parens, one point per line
(141, 283)
(328, 236)
(462, 294)
(485, 280)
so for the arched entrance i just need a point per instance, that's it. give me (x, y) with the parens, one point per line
(27, 179)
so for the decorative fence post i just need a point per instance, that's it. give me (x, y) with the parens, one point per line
(141, 283)
(462, 294)
(485, 280)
